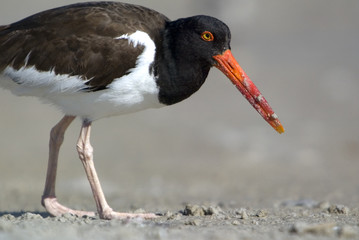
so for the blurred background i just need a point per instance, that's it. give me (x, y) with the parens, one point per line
(304, 58)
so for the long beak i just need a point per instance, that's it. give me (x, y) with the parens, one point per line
(229, 66)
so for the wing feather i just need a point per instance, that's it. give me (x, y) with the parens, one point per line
(80, 39)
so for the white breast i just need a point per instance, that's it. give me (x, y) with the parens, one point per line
(133, 92)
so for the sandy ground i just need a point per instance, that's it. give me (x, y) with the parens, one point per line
(210, 166)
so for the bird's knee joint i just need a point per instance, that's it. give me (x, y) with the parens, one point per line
(85, 151)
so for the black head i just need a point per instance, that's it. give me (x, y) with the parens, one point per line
(192, 46)
(201, 37)
(187, 54)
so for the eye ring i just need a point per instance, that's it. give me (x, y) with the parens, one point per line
(207, 36)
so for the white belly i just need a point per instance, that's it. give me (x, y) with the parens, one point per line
(133, 92)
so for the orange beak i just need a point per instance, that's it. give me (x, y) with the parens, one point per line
(229, 66)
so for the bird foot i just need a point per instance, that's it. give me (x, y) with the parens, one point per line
(56, 209)
(120, 215)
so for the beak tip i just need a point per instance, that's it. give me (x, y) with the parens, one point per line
(279, 129)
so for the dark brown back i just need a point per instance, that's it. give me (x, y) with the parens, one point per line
(80, 40)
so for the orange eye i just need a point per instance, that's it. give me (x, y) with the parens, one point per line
(207, 36)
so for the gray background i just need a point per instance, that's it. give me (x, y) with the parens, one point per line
(302, 55)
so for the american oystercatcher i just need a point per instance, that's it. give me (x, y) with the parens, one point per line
(99, 59)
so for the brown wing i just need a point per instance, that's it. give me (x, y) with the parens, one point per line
(80, 40)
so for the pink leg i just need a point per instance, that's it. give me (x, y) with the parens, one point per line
(49, 200)
(85, 152)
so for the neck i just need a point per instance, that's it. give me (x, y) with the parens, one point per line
(180, 72)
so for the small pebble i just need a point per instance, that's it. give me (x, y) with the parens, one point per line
(193, 210)
(339, 209)
(213, 210)
(262, 213)
(236, 222)
(242, 213)
(168, 214)
(61, 219)
(175, 216)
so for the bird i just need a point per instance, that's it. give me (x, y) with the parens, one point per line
(99, 59)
